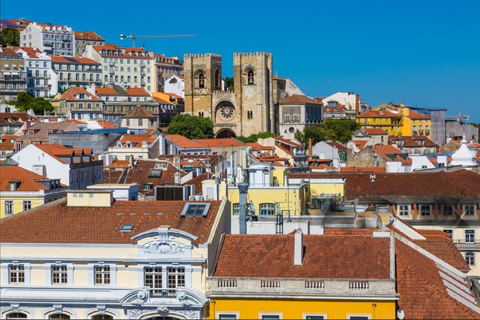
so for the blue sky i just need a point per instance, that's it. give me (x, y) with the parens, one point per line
(424, 53)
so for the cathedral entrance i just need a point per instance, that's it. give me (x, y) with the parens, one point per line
(225, 133)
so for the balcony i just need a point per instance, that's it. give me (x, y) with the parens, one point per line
(142, 84)
(111, 63)
(465, 243)
(11, 90)
(221, 287)
(163, 293)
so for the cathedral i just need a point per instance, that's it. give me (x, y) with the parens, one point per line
(248, 109)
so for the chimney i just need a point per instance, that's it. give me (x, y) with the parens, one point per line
(310, 147)
(243, 189)
(298, 249)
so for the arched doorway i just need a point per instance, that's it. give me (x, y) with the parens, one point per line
(225, 133)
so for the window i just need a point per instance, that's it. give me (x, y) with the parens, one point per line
(59, 316)
(425, 210)
(470, 258)
(469, 236)
(250, 114)
(251, 78)
(314, 317)
(270, 317)
(195, 210)
(27, 205)
(176, 277)
(102, 317)
(295, 118)
(140, 122)
(201, 81)
(153, 279)
(227, 317)
(450, 232)
(16, 315)
(469, 210)
(448, 210)
(267, 209)
(16, 274)
(102, 274)
(287, 118)
(236, 209)
(59, 274)
(127, 122)
(8, 207)
(403, 210)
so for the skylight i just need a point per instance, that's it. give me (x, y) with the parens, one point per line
(126, 228)
(195, 210)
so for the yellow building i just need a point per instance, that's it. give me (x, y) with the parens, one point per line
(396, 121)
(91, 257)
(303, 277)
(268, 190)
(22, 190)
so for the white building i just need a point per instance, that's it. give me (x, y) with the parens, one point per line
(96, 258)
(54, 40)
(295, 113)
(125, 67)
(175, 84)
(74, 167)
(39, 71)
(349, 100)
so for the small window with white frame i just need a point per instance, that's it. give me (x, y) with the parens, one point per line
(359, 316)
(470, 237)
(227, 315)
(314, 316)
(403, 210)
(425, 210)
(102, 274)
(59, 274)
(270, 315)
(469, 210)
(16, 273)
(448, 210)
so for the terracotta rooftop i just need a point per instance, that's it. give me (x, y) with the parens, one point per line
(222, 142)
(287, 142)
(136, 140)
(15, 118)
(30, 51)
(28, 179)
(41, 131)
(137, 92)
(363, 169)
(375, 131)
(379, 114)
(6, 142)
(414, 142)
(62, 224)
(298, 99)
(58, 150)
(107, 125)
(197, 181)
(71, 93)
(87, 35)
(273, 257)
(139, 112)
(74, 60)
(360, 144)
(338, 145)
(161, 100)
(184, 142)
(418, 116)
(105, 91)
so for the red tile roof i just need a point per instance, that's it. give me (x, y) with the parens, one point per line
(57, 150)
(71, 93)
(6, 142)
(87, 35)
(137, 92)
(79, 60)
(298, 99)
(139, 112)
(418, 116)
(105, 91)
(338, 145)
(28, 179)
(15, 118)
(161, 100)
(374, 131)
(221, 142)
(136, 140)
(107, 125)
(183, 142)
(31, 52)
(197, 181)
(62, 224)
(288, 142)
(363, 169)
(379, 114)
(173, 95)
(360, 144)
(383, 150)
(346, 257)
(414, 142)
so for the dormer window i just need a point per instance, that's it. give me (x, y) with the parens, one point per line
(133, 53)
(13, 185)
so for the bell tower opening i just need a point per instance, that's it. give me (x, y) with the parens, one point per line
(225, 133)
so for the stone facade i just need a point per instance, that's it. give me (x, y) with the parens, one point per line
(246, 110)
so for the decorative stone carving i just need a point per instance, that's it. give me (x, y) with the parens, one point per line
(189, 314)
(15, 307)
(137, 313)
(182, 298)
(163, 247)
(142, 297)
(58, 308)
(163, 311)
(101, 309)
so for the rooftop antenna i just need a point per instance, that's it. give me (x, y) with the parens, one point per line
(134, 37)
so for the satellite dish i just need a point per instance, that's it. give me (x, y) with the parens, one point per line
(400, 314)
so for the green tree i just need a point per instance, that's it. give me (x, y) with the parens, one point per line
(255, 136)
(192, 127)
(25, 102)
(316, 133)
(340, 129)
(229, 83)
(9, 37)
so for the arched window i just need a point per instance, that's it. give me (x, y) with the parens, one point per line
(102, 317)
(57, 316)
(251, 78)
(201, 81)
(16, 315)
(91, 77)
(84, 77)
(217, 78)
(267, 209)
